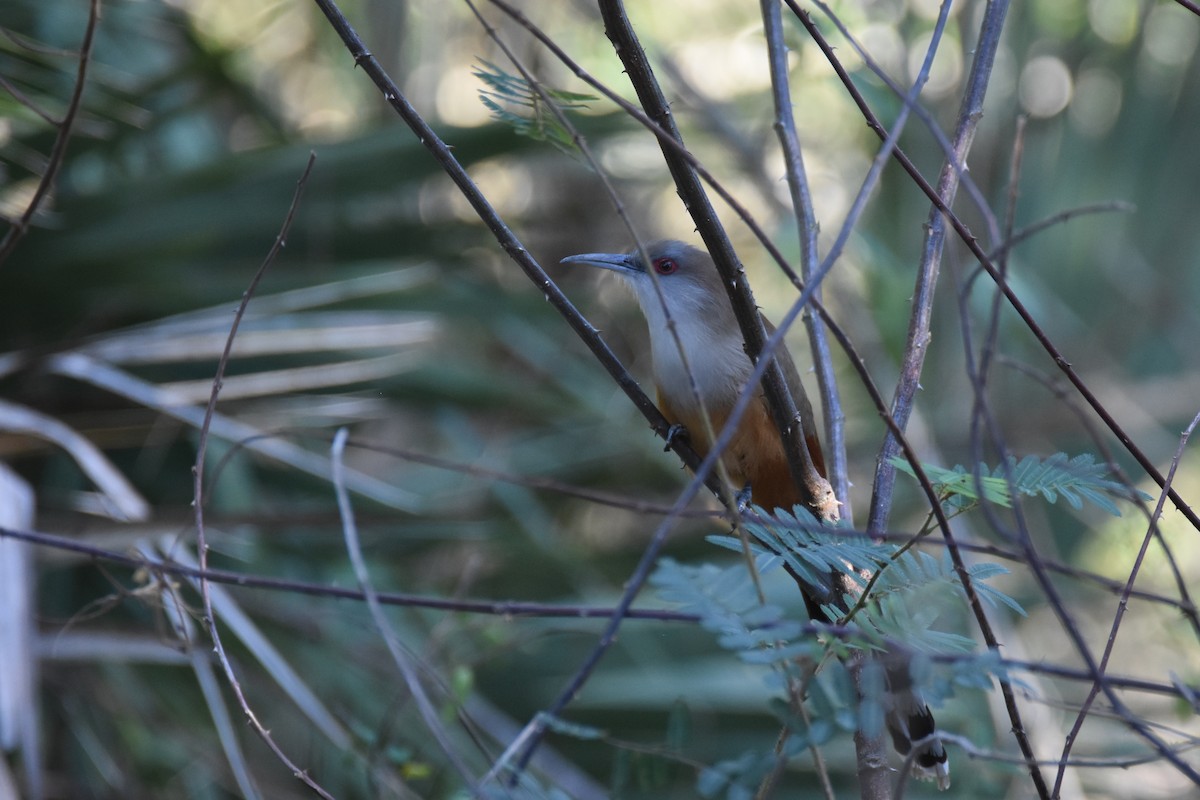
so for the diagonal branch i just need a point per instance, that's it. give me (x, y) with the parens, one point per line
(806, 226)
(198, 494)
(986, 263)
(58, 151)
(919, 333)
(816, 491)
(1122, 605)
(441, 153)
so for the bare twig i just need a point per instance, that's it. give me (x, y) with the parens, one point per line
(806, 225)
(917, 341)
(503, 234)
(1122, 605)
(509, 609)
(502, 608)
(198, 493)
(985, 262)
(178, 617)
(498, 608)
(992, 25)
(983, 421)
(874, 774)
(923, 114)
(1014, 238)
(816, 491)
(58, 151)
(1185, 604)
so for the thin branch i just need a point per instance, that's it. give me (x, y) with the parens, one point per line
(503, 234)
(992, 337)
(1190, 6)
(806, 229)
(989, 34)
(515, 609)
(980, 414)
(1185, 603)
(497, 608)
(1122, 605)
(985, 262)
(1013, 239)
(198, 492)
(178, 617)
(510, 609)
(919, 333)
(815, 489)
(923, 114)
(873, 772)
(58, 151)
(983, 421)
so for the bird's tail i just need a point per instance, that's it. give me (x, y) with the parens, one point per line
(910, 721)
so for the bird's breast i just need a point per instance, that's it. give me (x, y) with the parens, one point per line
(718, 366)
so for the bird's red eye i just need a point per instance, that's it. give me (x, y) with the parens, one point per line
(665, 266)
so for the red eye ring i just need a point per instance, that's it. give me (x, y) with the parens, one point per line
(665, 266)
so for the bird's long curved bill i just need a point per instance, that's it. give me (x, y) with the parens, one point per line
(618, 262)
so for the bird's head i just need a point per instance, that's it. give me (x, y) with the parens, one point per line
(691, 287)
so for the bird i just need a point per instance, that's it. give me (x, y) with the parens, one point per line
(691, 298)
(696, 303)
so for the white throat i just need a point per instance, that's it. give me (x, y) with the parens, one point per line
(715, 354)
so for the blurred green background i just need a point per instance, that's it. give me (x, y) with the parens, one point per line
(394, 312)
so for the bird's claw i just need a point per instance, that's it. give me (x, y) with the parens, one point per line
(742, 499)
(676, 431)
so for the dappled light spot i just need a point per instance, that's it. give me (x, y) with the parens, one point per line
(457, 97)
(1045, 86)
(1114, 21)
(947, 67)
(1170, 37)
(1096, 101)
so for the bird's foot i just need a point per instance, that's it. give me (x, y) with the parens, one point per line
(676, 431)
(742, 499)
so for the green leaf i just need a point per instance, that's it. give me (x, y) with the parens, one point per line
(1075, 479)
(514, 101)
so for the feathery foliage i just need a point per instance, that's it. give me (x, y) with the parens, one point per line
(899, 607)
(1076, 479)
(533, 118)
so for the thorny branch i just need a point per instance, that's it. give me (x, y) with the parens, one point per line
(198, 492)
